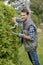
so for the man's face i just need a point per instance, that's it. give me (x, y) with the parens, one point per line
(24, 16)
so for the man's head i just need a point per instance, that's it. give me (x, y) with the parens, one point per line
(24, 14)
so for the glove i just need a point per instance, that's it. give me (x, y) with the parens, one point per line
(21, 35)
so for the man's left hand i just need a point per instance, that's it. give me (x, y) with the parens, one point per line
(21, 35)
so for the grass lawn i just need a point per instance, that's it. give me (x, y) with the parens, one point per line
(24, 57)
(40, 48)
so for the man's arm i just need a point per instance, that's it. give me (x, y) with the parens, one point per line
(16, 19)
(31, 34)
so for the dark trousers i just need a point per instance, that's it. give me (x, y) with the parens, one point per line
(33, 57)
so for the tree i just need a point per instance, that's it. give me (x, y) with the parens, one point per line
(37, 8)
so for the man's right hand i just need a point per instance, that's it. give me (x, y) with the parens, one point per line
(14, 19)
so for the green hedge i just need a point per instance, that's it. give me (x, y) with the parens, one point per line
(8, 42)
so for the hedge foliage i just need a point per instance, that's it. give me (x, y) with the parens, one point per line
(8, 42)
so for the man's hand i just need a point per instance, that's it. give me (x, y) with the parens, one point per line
(14, 19)
(21, 35)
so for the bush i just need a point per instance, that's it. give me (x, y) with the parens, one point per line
(6, 62)
(8, 42)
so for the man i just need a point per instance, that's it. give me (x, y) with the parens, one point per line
(28, 35)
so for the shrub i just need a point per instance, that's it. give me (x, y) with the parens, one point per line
(8, 42)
